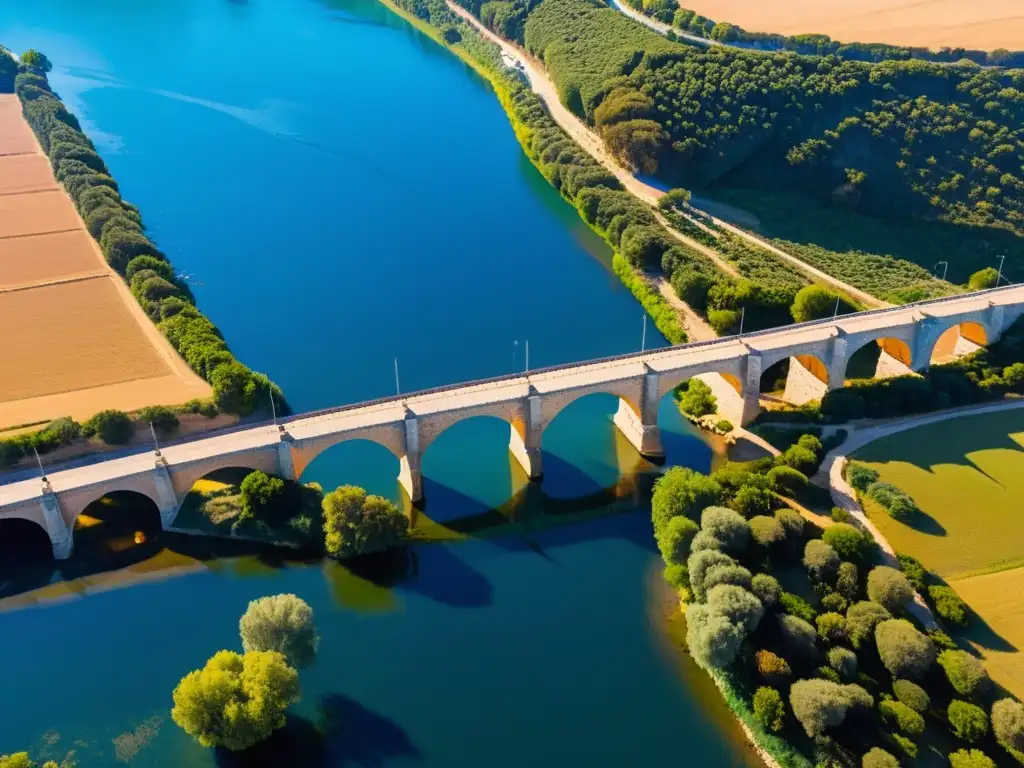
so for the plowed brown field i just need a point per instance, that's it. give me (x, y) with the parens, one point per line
(73, 340)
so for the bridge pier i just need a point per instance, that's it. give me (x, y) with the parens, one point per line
(61, 538)
(642, 429)
(525, 445)
(168, 499)
(410, 474)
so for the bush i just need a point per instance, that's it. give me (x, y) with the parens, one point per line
(911, 694)
(766, 531)
(1008, 724)
(791, 522)
(678, 576)
(700, 563)
(879, 758)
(772, 667)
(750, 501)
(798, 637)
(727, 526)
(821, 704)
(704, 540)
(769, 709)
(983, 279)
(799, 458)
(847, 583)
(860, 476)
(821, 561)
(833, 602)
(948, 605)
(161, 417)
(157, 265)
(234, 390)
(913, 570)
(697, 400)
(737, 605)
(861, 620)
(942, 640)
(967, 721)
(724, 426)
(906, 719)
(736, 575)
(282, 623)
(766, 588)
(65, 430)
(813, 302)
(889, 588)
(681, 491)
(831, 628)
(840, 515)
(235, 701)
(262, 496)
(113, 427)
(973, 758)
(965, 673)
(356, 524)
(713, 640)
(848, 542)
(844, 662)
(674, 539)
(786, 480)
(904, 651)
(795, 605)
(897, 504)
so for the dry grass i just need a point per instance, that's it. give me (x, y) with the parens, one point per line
(37, 213)
(16, 138)
(998, 638)
(25, 173)
(928, 23)
(46, 258)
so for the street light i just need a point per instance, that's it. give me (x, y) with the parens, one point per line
(156, 445)
(945, 268)
(643, 334)
(999, 277)
(743, 315)
(398, 389)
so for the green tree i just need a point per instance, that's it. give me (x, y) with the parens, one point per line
(821, 704)
(713, 640)
(860, 476)
(262, 494)
(34, 60)
(750, 501)
(1008, 726)
(682, 491)
(282, 623)
(965, 673)
(727, 526)
(970, 758)
(948, 604)
(355, 523)
(766, 588)
(234, 390)
(848, 542)
(813, 302)
(904, 651)
(697, 400)
(844, 662)
(235, 701)
(674, 539)
(889, 588)
(737, 604)
(906, 719)
(911, 694)
(983, 279)
(876, 757)
(161, 417)
(769, 708)
(113, 427)
(766, 531)
(847, 583)
(967, 721)
(861, 620)
(700, 564)
(786, 480)
(831, 628)
(821, 561)
(798, 637)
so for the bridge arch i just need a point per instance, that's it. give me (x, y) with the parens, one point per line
(432, 425)
(73, 503)
(356, 461)
(118, 522)
(959, 339)
(389, 436)
(262, 459)
(24, 539)
(628, 391)
(878, 357)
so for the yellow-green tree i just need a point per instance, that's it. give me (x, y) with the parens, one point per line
(355, 523)
(235, 701)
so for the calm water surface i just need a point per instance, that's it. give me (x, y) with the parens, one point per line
(343, 193)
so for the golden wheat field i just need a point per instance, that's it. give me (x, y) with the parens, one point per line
(999, 637)
(927, 23)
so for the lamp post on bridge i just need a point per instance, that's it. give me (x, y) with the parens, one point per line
(945, 268)
(39, 461)
(643, 335)
(999, 276)
(156, 445)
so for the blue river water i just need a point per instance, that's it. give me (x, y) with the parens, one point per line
(344, 194)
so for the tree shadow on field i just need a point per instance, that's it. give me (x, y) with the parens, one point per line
(346, 734)
(979, 633)
(924, 523)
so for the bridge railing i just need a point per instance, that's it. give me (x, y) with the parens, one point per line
(503, 379)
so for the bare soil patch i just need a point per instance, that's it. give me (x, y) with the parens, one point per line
(25, 173)
(37, 214)
(16, 138)
(928, 23)
(45, 258)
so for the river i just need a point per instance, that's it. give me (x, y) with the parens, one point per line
(344, 194)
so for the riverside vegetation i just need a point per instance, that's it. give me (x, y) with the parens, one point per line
(807, 635)
(117, 227)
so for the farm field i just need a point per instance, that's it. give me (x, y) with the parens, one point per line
(927, 23)
(967, 476)
(75, 341)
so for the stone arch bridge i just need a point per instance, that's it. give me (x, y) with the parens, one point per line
(406, 425)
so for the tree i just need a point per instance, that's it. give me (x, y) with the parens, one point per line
(948, 604)
(682, 491)
(698, 399)
(798, 637)
(911, 694)
(113, 427)
(674, 539)
(642, 246)
(844, 662)
(967, 721)
(727, 526)
(235, 701)
(700, 563)
(750, 501)
(772, 667)
(821, 561)
(34, 60)
(831, 628)
(847, 584)
(769, 708)
(907, 720)
(234, 390)
(355, 523)
(821, 704)
(983, 279)
(877, 757)
(1008, 725)
(973, 758)
(786, 480)
(904, 651)
(737, 604)
(813, 302)
(847, 541)
(161, 417)
(965, 673)
(713, 640)
(766, 531)
(766, 588)
(861, 620)
(889, 588)
(734, 574)
(860, 476)
(282, 623)
(261, 495)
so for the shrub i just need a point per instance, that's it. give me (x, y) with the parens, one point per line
(262, 495)
(861, 620)
(681, 491)
(674, 539)
(799, 458)
(983, 278)
(860, 476)
(847, 541)
(965, 673)
(235, 701)
(906, 719)
(737, 604)
(831, 628)
(697, 400)
(727, 526)
(889, 588)
(847, 583)
(948, 605)
(157, 265)
(234, 390)
(736, 575)
(786, 480)
(704, 540)
(897, 504)
(766, 531)
(679, 577)
(813, 302)
(844, 662)
(713, 640)
(795, 605)
(879, 758)
(1008, 724)
(821, 561)
(750, 501)
(724, 426)
(942, 640)
(911, 694)
(121, 245)
(904, 651)
(913, 570)
(700, 563)
(161, 417)
(907, 747)
(967, 721)
(821, 704)
(798, 637)
(282, 623)
(840, 515)
(769, 708)
(355, 523)
(833, 602)
(766, 588)
(65, 430)
(772, 667)
(970, 758)
(113, 427)
(792, 523)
